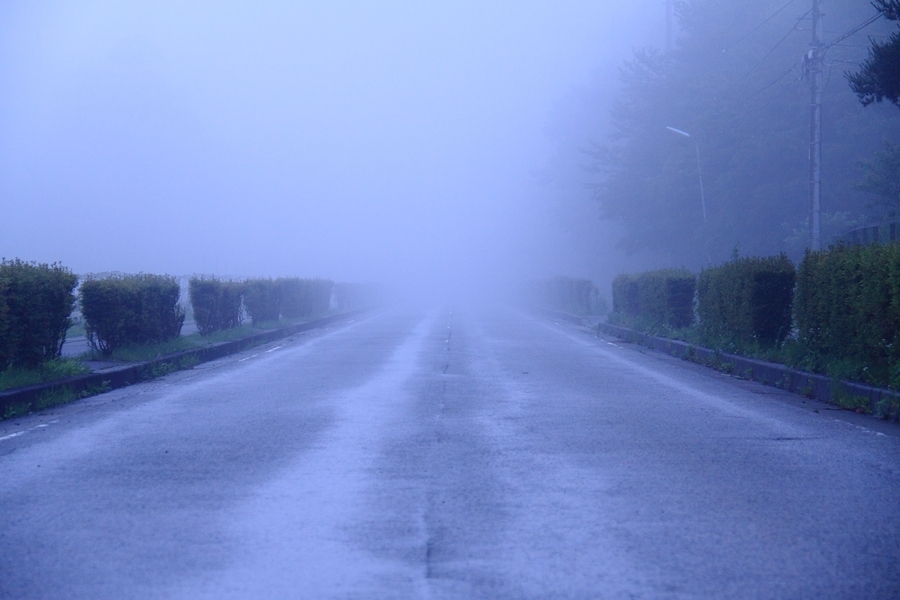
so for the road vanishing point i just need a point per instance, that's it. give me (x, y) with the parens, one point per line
(449, 454)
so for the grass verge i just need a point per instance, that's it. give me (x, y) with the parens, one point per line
(53, 370)
(791, 353)
(145, 352)
(64, 368)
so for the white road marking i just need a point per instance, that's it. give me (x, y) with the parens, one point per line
(24, 431)
(248, 358)
(274, 349)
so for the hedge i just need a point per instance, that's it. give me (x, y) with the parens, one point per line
(262, 299)
(303, 297)
(216, 303)
(656, 298)
(5, 339)
(130, 309)
(746, 301)
(848, 307)
(569, 294)
(35, 303)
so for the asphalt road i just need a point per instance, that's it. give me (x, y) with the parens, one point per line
(436, 455)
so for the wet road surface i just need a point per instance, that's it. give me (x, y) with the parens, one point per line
(430, 454)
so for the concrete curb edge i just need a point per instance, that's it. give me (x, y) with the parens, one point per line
(811, 385)
(104, 381)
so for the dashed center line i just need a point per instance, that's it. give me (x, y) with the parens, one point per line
(248, 358)
(273, 349)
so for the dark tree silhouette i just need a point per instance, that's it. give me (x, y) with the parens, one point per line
(879, 76)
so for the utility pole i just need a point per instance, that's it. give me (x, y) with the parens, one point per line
(669, 16)
(814, 64)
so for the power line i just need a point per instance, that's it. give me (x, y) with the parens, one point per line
(749, 33)
(781, 41)
(847, 34)
(777, 95)
(852, 31)
(779, 78)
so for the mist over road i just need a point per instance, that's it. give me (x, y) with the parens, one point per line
(417, 454)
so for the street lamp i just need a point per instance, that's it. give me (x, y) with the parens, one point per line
(699, 172)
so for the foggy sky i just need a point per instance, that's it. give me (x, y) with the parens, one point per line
(393, 141)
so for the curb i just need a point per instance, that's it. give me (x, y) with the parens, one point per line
(846, 394)
(30, 398)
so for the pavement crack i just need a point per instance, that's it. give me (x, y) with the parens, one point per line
(428, 548)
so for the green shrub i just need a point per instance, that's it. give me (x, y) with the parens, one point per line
(262, 300)
(746, 302)
(51, 370)
(569, 294)
(295, 297)
(848, 309)
(625, 295)
(663, 298)
(35, 303)
(130, 309)
(216, 304)
(304, 297)
(5, 338)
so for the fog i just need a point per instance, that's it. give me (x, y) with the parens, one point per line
(416, 144)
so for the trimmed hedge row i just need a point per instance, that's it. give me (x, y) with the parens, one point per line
(261, 299)
(130, 309)
(848, 307)
(35, 303)
(216, 303)
(743, 302)
(746, 301)
(569, 294)
(269, 299)
(842, 303)
(304, 297)
(659, 298)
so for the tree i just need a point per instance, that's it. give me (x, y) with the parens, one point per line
(882, 178)
(734, 84)
(879, 76)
